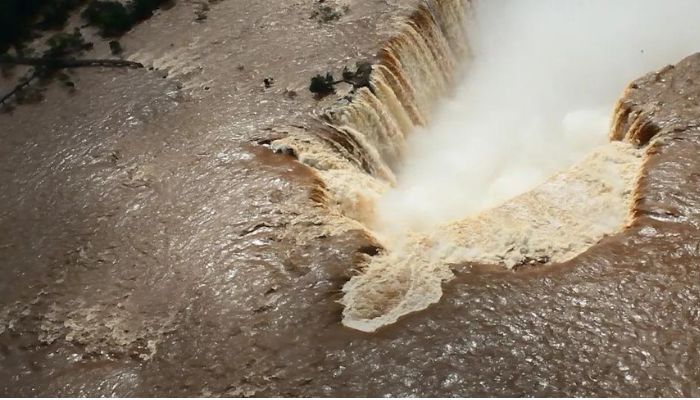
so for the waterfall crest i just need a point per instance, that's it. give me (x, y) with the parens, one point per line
(358, 146)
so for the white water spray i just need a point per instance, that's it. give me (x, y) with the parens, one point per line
(536, 97)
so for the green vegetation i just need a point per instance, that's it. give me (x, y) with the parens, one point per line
(21, 19)
(327, 14)
(110, 17)
(360, 77)
(322, 86)
(47, 66)
(54, 14)
(113, 18)
(66, 44)
(115, 47)
(24, 20)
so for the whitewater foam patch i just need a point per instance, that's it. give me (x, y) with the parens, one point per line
(554, 222)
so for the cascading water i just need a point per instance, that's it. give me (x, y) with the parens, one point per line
(413, 71)
(360, 151)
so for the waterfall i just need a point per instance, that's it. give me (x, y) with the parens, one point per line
(363, 140)
(356, 148)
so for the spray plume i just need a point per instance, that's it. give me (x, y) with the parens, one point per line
(536, 97)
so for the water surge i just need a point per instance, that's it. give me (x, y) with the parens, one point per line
(361, 149)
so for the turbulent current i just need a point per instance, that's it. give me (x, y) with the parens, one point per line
(432, 171)
(511, 205)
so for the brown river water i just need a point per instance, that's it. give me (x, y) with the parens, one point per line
(151, 246)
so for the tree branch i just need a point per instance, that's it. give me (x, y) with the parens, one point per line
(19, 87)
(59, 63)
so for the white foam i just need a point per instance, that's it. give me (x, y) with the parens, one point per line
(554, 222)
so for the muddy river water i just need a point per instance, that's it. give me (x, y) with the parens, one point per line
(150, 244)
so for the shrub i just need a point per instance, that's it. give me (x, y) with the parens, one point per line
(110, 17)
(115, 47)
(322, 86)
(326, 14)
(360, 77)
(65, 44)
(113, 18)
(55, 13)
(143, 9)
(19, 19)
(325, 85)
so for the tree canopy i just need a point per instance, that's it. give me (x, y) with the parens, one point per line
(23, 20)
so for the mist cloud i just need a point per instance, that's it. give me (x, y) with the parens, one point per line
(537, 96)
